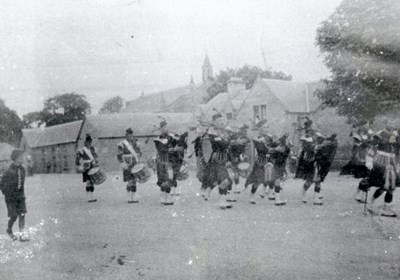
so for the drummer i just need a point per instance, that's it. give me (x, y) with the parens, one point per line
(128, 155)
(86, 159)
(237, 151)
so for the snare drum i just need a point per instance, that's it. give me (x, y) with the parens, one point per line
(141, 172)
(244, 169)
(97, 175)
(182, 174)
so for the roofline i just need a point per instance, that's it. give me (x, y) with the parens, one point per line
(123, 136)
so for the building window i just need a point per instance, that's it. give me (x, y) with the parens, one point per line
(256, 111)
(66, 167)
(229, 116)
(263, 112)
(54, 165)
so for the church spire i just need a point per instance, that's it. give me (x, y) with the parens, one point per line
(207, 69)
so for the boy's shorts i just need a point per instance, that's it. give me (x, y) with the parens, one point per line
(16, 207)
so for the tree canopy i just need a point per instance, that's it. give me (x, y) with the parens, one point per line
(112, 105)
(360, 42)
(248, 73)
(60, 109)
(10, 125)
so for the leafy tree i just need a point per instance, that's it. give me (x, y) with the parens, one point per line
(60, 109)
(65, 108)
(249, 74)
(10, 125)
(112, 106)
(32, 118)
(361, 46)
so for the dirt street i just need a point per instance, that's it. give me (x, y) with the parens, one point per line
(193, 239)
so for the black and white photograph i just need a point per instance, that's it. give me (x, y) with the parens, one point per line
(199, 139)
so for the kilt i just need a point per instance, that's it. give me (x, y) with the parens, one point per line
(162, 174)
(305, 170)
(221, 173)
(16, 206)
(200, 168)
(277, 173)
(210, 175)
(127, 175)
(358, 171)
(176, 167)
(377, 176)
(256, 176)
(85, 176)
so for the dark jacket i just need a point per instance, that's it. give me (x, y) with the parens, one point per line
(9, 183)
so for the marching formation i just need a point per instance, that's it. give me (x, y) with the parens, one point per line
(224, 155)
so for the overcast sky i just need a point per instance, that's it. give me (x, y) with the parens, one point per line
(107, 48)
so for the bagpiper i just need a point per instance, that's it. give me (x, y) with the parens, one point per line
(261, 144)
(176, 158)
(385, 171)
(220, 165)
(165, 174)
(128, 155)
(278, 154)
(315, 159)
(86, 159)
(237, 151)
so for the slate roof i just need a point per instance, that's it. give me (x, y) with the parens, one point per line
(53, 135)
(189, 102)
(142, 124)
(155, 102)
(296, 97)
(222, 101)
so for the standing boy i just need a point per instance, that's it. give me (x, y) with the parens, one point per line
(12, 186)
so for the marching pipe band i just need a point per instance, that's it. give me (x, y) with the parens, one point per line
(221, 160)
